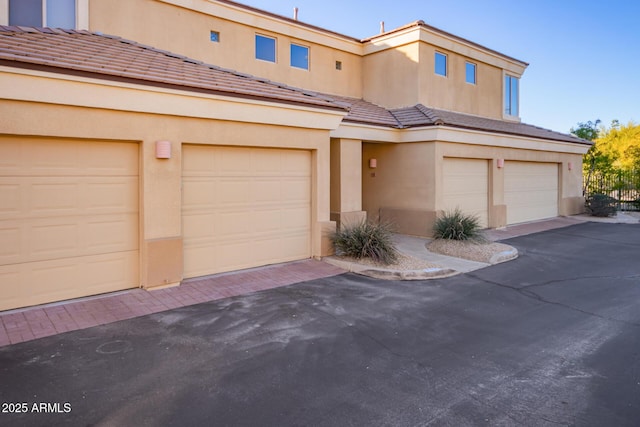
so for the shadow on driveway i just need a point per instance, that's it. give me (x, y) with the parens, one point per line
(550, 338)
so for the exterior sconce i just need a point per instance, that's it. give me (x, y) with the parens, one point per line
(570, 165)
(500, 163)
(373, 163)
(163, 149)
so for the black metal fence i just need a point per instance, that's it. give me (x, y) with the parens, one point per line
(624, 186)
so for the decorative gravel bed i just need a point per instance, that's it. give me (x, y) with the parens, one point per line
(471, 250)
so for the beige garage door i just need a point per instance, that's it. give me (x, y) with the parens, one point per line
(530, 191)
(244, 207)
(68, 219)
(465, 186)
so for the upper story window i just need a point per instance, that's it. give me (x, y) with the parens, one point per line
(470, 73)
(441, 64)
(43, 13)
(214, 36)
(299, 56)
(511, 95)
(265, 48)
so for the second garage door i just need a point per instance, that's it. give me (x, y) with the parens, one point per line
(530, 191)
(465, 186)
(244, 207)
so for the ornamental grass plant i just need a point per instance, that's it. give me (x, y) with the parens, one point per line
(366, 240)
(456, 225)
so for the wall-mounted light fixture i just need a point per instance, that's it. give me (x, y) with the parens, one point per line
(163, 149)
(570, 165)
(373, 163)
(500, 163)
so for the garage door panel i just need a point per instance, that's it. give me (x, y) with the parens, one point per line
(232, 191)
(198, 194)
(257, 199)
(36, 239)
(531, 191)
(52, 157)
(465, 186)
(68, 219)
(59, 279)
(63, 196)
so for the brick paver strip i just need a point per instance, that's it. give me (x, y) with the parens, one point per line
(41, 321)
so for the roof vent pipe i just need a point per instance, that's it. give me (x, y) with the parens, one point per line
(295, 13)
(381, 27)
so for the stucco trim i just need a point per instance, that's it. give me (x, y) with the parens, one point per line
(253, 17)
(370, 133)
(54, 88)
(446, 41)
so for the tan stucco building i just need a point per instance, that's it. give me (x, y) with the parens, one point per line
(131, 157)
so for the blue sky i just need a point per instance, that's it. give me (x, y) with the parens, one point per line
(584, 55)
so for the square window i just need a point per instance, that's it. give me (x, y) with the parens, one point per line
(299, 56)
(441, 64)
(338, 65)
(470, 70)
(214, 37)
(265, 48)
(27, 13)
(61, 13)
(41, 13)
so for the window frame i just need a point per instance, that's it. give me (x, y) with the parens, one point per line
(291, 46)
(446, 64)
(511, 98)
(275, 48)
(475, 73)
(78, 16)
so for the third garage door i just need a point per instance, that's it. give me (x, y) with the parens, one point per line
(244, 207)
(530, 191)
(465, 187)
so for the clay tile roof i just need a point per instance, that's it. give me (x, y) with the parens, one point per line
(365, 112)
(104, 56)
(433, 116)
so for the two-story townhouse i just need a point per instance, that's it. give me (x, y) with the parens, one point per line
(159, 140)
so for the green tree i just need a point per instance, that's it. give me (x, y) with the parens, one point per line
(594, 159)
(616, 150)
(621, 144)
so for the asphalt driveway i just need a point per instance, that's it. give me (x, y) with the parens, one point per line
(552, 338)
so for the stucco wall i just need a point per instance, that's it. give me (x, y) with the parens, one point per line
(391, 77)
(187, 32)
(406, 187)
(160, 179)
(453, 92)
(404, 76)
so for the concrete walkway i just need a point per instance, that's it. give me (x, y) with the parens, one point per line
(448, 265)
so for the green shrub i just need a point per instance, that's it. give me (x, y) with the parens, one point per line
(455, 225)
(366, 240)
(601, 205)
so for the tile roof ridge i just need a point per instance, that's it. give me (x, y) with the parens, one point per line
(58, 31)
(431, 114)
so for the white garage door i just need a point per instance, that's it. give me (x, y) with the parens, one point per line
(465, 186)
(530, 191)
(244, 207)
(68, 219)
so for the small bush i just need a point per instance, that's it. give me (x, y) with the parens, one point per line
(601, 205)
(455, 225)
(366, 240)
